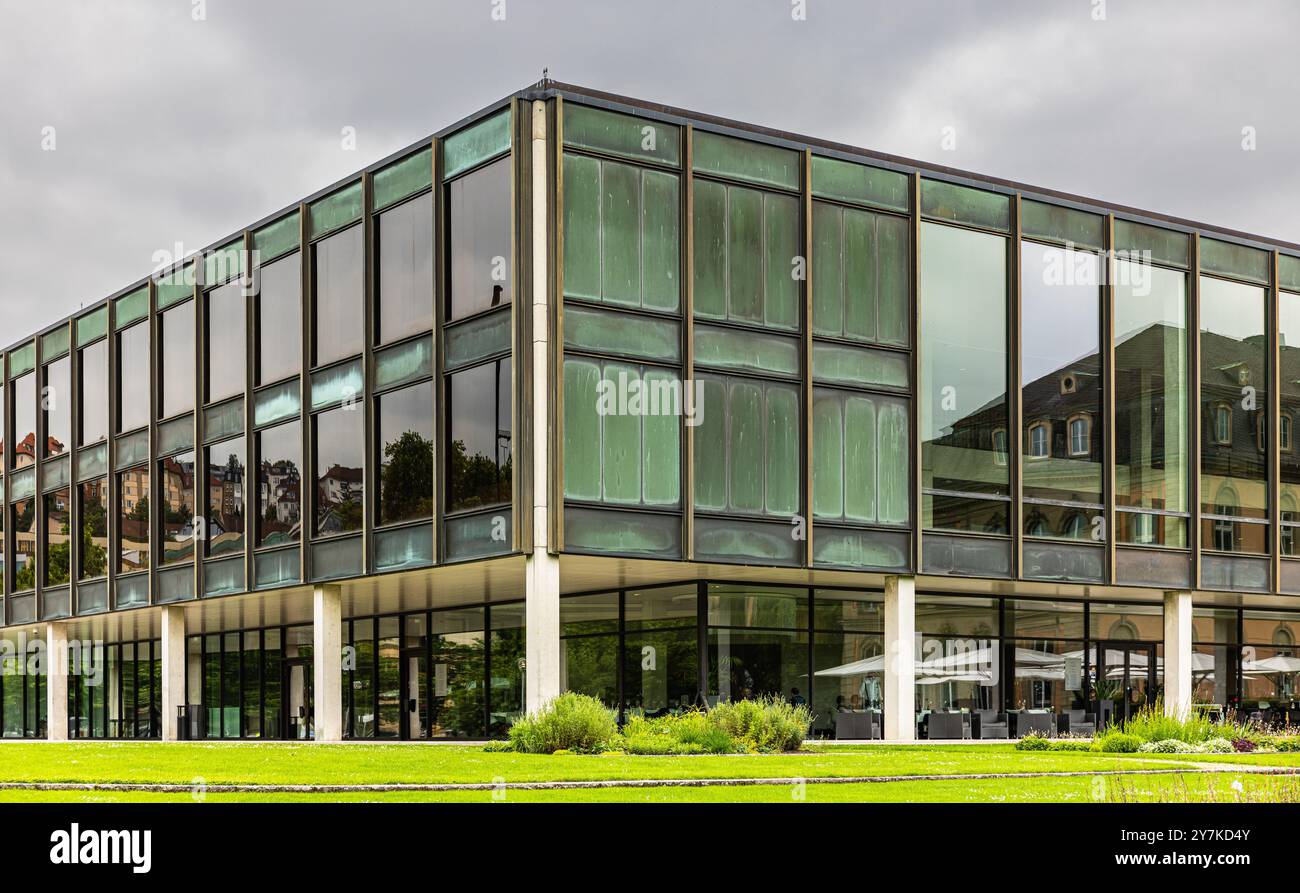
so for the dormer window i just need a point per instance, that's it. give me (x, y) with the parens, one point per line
(1040, 440)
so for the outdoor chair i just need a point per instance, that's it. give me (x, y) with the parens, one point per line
(993, 724)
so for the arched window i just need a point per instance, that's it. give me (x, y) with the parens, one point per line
(1040, 440)
(1283, 636)
(1080, 435)
(1076, 527)
(1284, 432)
(1123, 631)
(1000, 446)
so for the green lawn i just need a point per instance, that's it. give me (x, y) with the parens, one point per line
(215, 763)
(1075, 789)
(250, 763)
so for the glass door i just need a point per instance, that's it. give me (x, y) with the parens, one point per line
(298, 699)
(415, 689)
(1126, 679)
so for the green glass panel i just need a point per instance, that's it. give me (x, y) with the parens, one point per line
(603, 131)
(1288, 272)
(949, 201)
(335, 211)
(403, 362)
(92, 461)
(660, 241)
(846, 181)
(860, 287)
(835, 364)
(661, 454)
(333, 559)
(403, 178)
(745, 446)
(223, 577)
(56, 343)
(893, 271)
(711, 447)
(827, 270)
(747, 542)
(582, 451)
(781, 248)
(22, 484)
(178, 434)
(475, 536)
(620, 216)
(278, 238)
(224, 263)
(894, 452)
(1162, 245)
(602, 331)
(733, 349)
(132, 307)
(622, 533)
(621, 448)
(91, 326)
(342, 382)
(710, 242)
(404, 547)
(173, 288)
(744, 160)
(275, 403)
(828, 455)
(223, 420)
(276, 568)
(746, 243)
(861, 548)
(476, 143)
(581, 227)
(22, 359)
(132, 449)
(1241, 261)
(1044, 221)
(621, 444)
(782, 442)
(477, 339)
(860, 458)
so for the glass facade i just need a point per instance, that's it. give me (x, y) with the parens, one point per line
(760, 356)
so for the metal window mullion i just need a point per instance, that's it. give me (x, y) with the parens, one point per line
(151, 465)
(198, 431)
(370, 295)
(687, 253)
(438, 297)
(521, 283)
(806, 348)
(39, 559)
(1108, 433)
(555, 333)
(306, 475)
(252, 301)
(1273, 469)
(1194, 409)
(74, 489)
(914, 422)
(113, 558)
(1015, 433)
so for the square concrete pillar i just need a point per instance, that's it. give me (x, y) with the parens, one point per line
(1178, 654)
(173, 668)
(542, 637)
(56, 682)
(900, 658)
(327, 663)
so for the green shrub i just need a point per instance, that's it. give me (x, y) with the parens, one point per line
(1215, 745)
(1120, 742)
(1287, 743)
(1033, 741)
(571, 722)
(766, 725)
(506, 746)
(685, 733)
(1071, 744)
(1168, 745)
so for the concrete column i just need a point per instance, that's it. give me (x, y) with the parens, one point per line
(900, 658)
(541, 568)
(56, 682)
(173, 668)
(327, 663)
(1178, 654)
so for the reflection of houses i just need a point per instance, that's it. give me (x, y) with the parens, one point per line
(25, 449)
(336, 488)
(1234, 441)
(226, 493)
(278, 492)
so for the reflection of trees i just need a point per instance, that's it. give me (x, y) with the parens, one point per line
(406, 484)
(461, 711)
(477, 480)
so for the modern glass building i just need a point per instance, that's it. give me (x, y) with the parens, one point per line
(588, 393)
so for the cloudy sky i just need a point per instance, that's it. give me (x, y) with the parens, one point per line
(179, 121)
